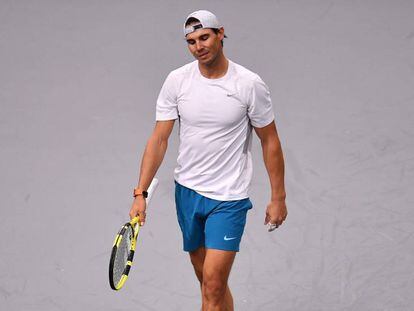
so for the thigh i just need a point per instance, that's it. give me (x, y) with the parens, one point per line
(217, 265)
(197, 258)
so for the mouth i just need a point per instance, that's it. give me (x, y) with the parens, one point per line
(203, 55)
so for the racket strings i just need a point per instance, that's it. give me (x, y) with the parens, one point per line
(122, 254)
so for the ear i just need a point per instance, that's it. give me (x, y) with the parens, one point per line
(221, 33)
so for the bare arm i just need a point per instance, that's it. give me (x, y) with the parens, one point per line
(151, 160)
(276, 211)
(154, 152)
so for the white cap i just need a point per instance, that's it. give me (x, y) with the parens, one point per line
(206, 18)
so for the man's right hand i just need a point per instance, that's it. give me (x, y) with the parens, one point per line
(138, 208)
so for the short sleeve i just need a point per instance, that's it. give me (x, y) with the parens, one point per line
(260, 110)
(166, 108)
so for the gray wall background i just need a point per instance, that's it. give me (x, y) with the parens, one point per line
(78, 84)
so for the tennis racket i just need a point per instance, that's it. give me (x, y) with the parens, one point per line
(124, 247)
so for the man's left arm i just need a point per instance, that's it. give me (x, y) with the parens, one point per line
(276, 211)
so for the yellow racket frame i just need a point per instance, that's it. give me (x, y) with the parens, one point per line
(134, 223)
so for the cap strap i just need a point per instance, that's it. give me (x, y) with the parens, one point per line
(192, 28)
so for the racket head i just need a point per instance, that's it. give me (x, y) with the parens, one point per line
(123, 249)
(122, 254)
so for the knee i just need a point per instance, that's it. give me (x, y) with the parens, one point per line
(214, 288)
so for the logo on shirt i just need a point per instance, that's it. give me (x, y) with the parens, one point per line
(229, 239)
(230, 94)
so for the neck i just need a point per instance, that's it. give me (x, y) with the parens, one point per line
(216, 69)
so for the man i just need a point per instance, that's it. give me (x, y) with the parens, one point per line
(217, 102)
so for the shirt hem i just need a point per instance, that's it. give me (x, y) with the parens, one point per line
(214, 196)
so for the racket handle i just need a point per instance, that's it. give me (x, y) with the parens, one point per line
(151, 188)
(134, 220)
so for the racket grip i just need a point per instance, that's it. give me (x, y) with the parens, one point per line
(134, 220)
(151, 189)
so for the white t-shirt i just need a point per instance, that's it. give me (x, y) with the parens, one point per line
(215, 126)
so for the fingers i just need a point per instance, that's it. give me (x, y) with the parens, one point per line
(279, 221)
(275, 219)
(132, 213)
(274, 224)
(267, 219)
(142, 215)
(138, 209)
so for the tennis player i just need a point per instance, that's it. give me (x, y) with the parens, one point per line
(217, 103)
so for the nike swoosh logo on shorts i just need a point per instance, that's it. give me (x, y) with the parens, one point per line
(228, 239)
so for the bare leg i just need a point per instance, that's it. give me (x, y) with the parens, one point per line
(229, 300)
(216, 271)
(197, 259)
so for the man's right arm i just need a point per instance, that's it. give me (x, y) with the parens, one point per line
(151, 161)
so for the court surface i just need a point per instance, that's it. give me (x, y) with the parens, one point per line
(78, 84)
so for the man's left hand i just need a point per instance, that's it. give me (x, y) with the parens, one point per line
(276, 213)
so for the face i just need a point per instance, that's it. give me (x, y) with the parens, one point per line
(205, 45)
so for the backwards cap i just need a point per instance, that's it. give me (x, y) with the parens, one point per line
(206, 18)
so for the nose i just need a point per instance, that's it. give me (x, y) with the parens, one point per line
(199, 46)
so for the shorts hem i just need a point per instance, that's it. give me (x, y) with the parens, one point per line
(192, 249)
(222, 248)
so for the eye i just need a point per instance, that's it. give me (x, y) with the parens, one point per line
(190, 42)
(205, 37)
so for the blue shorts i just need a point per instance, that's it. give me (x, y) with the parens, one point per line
(208, 222)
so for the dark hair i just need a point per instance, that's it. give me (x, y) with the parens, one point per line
(216, 32)
(193, 20)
